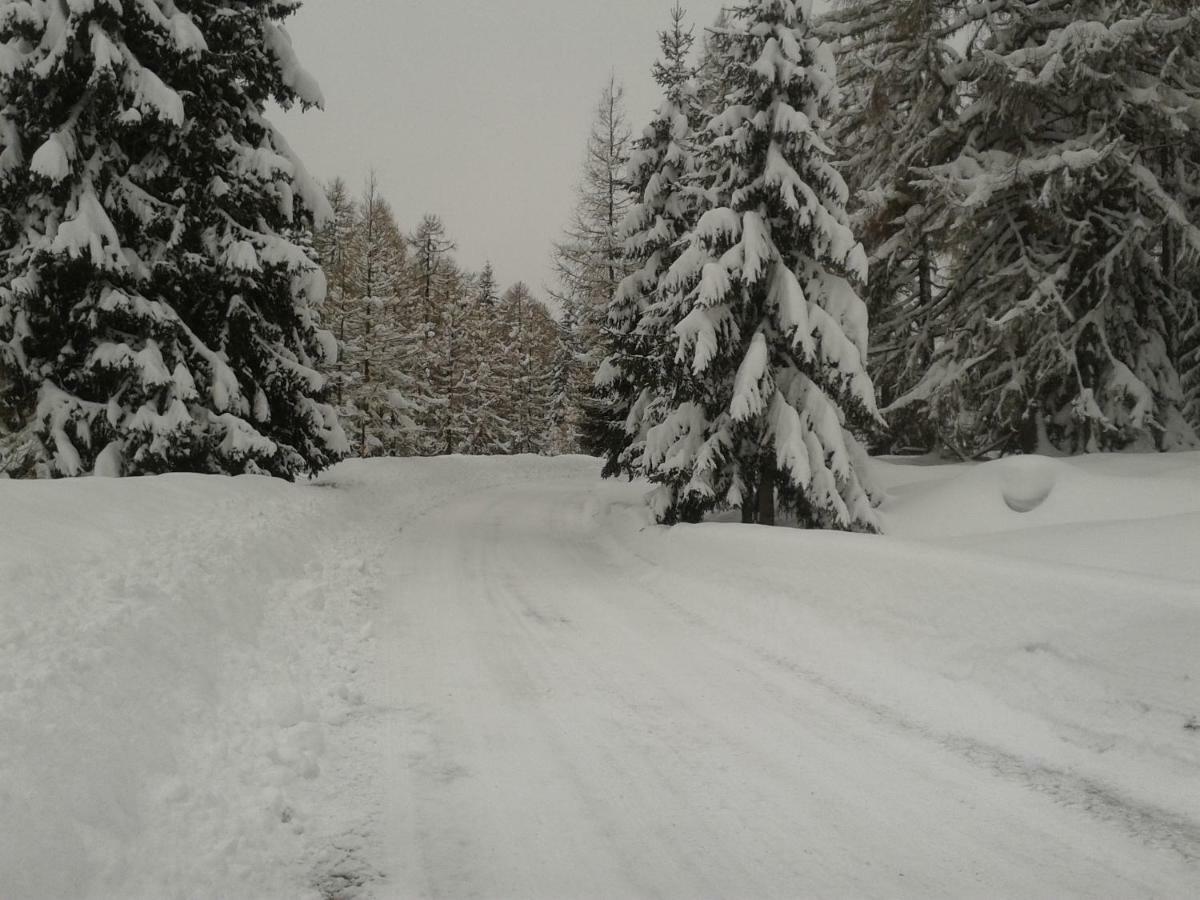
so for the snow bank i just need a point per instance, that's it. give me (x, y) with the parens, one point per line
(181, 707)
(1023, 492)
(175, 656)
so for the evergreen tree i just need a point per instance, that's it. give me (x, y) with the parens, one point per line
(712, 80)
(895, 67)
(1060, 317)
(589, 260)
(1180, 161)
(660, 170)
(157, 312)
(486, 288)
(769, 374)
(1187, 305)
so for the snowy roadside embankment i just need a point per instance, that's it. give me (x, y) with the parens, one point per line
(179, 659)
(171, 654)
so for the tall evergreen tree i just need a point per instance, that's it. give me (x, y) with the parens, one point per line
(158, 311)
(660, 172)
(712, 80)
(896, 65)
(589, 260)
(1060, 318)
(770, 376)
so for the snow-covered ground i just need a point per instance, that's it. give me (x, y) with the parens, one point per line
(491, 678)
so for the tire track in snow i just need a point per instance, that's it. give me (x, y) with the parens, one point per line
(1155, 826)
(571, 675)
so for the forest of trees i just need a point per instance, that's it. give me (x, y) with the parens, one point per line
(1022, 177)
(434, 359)
(963, 226)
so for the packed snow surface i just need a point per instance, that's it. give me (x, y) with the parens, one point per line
(492, 678)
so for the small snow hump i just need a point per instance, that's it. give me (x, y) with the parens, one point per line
(1027, 481)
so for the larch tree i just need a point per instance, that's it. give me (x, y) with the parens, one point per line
(712, 80)
(454, 365)
(529, 345)
(589, 261)
(432, 266)
(433, 271)
(380, 397)
(1060, 321)
(334, 244)
(157, 309)
(485, 371)
(660, 176)
(769, 374)
(562, 413)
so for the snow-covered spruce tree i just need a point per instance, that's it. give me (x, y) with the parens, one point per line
(1183, 268)
(154, 314)
(659, 174)
(900, 102)
(1187, 299)
(589, 260)
(712, 81)
(769, 376)
(1059, 315)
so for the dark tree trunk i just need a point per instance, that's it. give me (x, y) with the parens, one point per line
(766, 492)
(748, 509)
(925, 286)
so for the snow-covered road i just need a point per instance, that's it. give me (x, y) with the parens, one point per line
(583, 709)
(486, 678)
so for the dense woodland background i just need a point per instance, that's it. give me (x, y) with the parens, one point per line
(1023, 177)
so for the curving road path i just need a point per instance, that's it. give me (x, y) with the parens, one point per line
(578, 709)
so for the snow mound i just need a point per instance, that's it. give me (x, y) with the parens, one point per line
(176, 661)
(1033, 491)
(1026, 482)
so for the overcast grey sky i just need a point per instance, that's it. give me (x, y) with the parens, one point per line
(477, 111)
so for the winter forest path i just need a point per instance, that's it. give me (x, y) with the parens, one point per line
(574, 707)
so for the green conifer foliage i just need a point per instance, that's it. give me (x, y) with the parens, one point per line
(158, 300)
